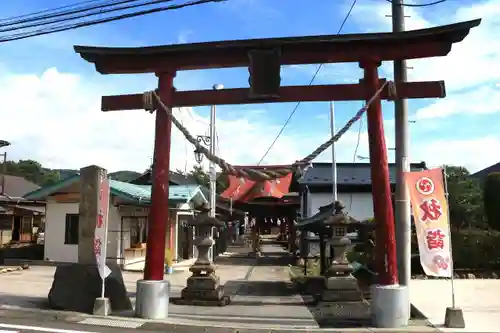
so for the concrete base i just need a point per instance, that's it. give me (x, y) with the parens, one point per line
(102, 306)
(454, 318)
(152, 299)
(342, 289)
(76, 287)
(390, 306)
(203, 290)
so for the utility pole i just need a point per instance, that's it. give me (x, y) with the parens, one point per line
(213, 176)
(4, 143)
(402, 201)
(334, 165)
(334, 160)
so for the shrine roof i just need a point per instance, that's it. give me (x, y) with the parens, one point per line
(347, 173)
(126, 191)
(211, 54)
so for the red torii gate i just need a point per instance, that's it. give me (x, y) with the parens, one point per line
(264, 58)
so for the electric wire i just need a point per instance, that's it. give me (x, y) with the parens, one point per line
(310, 83)
(64, 13)
(437, 2)
(11, 18)
(61, 28)
(84, 14)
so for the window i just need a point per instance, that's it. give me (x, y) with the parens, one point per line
(71, 229)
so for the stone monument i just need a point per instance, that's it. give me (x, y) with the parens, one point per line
(77, 286)
(203, 287)
(341, 286)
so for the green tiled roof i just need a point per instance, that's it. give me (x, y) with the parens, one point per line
(182, 193)
(128, 191)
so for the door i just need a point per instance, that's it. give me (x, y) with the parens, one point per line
(16, 229)
(26, 229)
(181, 239)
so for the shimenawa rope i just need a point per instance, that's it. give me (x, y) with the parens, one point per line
(150, 97)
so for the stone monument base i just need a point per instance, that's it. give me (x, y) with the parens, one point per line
(203, 290)
(342, 289)
(76, 287)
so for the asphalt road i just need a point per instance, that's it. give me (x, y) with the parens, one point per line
(18, 325)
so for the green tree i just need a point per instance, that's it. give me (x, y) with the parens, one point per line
(200, 175)
(203, 178)
(492, 200)
(465, 198)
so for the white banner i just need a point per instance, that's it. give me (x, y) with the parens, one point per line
(101, 228)
(432, 224)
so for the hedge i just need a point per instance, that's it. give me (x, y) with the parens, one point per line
(472, 249)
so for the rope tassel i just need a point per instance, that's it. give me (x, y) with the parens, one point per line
(150, 97)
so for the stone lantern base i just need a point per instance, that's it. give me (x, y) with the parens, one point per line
(203, 290)
(341, 286)
(203, 287)
(342, 289)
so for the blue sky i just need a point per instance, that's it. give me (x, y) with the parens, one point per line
(51, 61)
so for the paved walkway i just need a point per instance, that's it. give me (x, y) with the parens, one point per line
(260, 289)
(478, 298)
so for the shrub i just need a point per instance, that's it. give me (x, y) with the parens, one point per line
(491, 195)
(472, 249)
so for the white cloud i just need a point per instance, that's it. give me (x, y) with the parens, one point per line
(55, 117)
(483, 100)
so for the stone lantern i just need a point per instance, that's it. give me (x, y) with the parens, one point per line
(203, 286)
(341, 285)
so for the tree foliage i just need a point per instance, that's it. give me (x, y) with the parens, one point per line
(492, 200)
(465, 198)
(203, 178)
(34, 172)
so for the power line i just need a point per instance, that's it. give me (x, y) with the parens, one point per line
(66, 27)
(422, 4)
(63, 13)
(47, 10)
(310, 83)
(84, 14)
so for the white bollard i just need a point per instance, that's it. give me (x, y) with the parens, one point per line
(390, 306)
(152, 298)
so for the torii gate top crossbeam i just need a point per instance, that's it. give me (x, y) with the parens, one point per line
(414, 44)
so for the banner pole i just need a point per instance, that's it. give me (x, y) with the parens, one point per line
(452, 278)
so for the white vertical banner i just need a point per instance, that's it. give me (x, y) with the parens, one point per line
(432, 224)
(101, 228)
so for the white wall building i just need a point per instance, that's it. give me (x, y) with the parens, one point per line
(127, 220)
(353, 187)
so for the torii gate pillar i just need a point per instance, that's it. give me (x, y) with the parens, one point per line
(389, 300)
(153, 292)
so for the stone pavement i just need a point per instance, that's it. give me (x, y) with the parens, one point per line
(478, 298)
(262, 295)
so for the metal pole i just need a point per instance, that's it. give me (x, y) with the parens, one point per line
(334, 160)
(452, 277)
(213, 176)
(4, 171)
(402, 200)
(212, 165)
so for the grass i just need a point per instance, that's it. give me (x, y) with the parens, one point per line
(297, 272)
